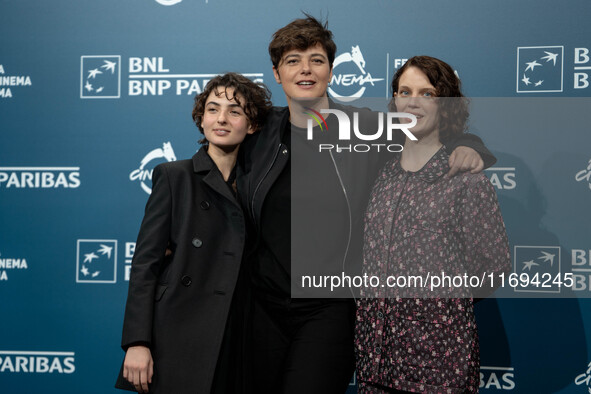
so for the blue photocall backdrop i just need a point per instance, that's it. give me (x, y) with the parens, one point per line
(77, 148)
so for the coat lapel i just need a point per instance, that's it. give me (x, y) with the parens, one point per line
(203, 164)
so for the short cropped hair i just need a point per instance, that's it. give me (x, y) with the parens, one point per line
(454, 113)
(302, 34)
(255, 101)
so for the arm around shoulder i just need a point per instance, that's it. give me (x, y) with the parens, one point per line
(474, 142)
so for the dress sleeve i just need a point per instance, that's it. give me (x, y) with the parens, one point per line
(484, 238)
(147, 261)
(474, 142)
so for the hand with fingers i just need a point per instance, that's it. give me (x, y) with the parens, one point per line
(138, 367)
(464, 159)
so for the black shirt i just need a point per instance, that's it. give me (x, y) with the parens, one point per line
(306, 198)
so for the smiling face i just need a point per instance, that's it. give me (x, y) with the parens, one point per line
(304, 73)
(416, 95)
(224, 121)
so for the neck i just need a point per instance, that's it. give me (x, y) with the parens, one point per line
(417, 153)
(297, 107)
(224, 159)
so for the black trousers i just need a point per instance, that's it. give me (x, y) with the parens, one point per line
(302, 345)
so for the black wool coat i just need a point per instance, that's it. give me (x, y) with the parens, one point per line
(179, 304)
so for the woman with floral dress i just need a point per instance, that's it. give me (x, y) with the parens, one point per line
(420, 223)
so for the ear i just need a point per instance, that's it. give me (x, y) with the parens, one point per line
(276, 74)
(330, 76)
(250, 130)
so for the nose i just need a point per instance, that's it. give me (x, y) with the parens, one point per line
(413, 101)
(222, 117)
(305, 67)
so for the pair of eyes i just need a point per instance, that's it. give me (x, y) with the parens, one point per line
(233, 112)
(294, 60)
(406, 93)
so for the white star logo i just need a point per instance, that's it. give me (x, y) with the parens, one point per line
(105, 250)
(93, 73)
(528, 265)
(84, 270)
(550, 57)
(109, 66)
(532, 65)
(547, 257)
(89, 257)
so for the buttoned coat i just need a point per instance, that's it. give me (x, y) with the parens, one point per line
(179, 304)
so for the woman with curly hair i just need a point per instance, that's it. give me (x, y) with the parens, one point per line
(182, 331)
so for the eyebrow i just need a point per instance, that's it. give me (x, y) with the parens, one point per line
(420, 90)
(297, 55)
(219, 105)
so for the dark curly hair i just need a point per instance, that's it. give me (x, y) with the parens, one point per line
(453, 113)
(255, 99)
(302, 34)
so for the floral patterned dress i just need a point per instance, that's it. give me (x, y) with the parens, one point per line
(414, 338)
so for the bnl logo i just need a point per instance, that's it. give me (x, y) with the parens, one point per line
(540, 69)
(96, 261)
(541, 260)
(100, 77)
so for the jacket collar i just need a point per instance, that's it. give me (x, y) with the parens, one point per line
(203, 163)
(258, 149)
(435, 168)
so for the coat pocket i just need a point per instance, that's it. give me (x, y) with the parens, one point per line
(160, 290)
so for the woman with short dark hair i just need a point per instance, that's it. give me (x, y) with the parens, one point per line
(303, 344)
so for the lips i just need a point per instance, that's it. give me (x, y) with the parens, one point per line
(416, 115)
(305, 84)
(221, 132)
